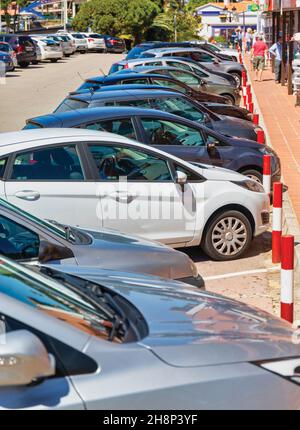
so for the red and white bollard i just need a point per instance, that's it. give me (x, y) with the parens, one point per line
(260, 136)
(277, 222)
(248, 89)
(249, 98)
(255, 119)
(244, 78)
(267, 173)
(287, 278)
(250, 107)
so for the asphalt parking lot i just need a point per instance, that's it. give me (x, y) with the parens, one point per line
(39, 89)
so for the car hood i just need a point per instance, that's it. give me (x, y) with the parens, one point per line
(191, 328)
(111, 249)
(235, 127)
(215, 173)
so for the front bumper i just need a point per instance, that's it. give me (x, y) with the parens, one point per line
(196, 281)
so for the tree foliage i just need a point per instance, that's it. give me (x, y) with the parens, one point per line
(116, 17)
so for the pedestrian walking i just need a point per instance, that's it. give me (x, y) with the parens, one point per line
(248, 39)
(276, 52)
(258, 51)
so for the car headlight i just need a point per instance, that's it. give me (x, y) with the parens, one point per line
(250, 185)
(286, 368)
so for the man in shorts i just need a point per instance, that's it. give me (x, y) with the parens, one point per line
(259, 49)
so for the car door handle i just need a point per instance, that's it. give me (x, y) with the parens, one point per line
(122, 196)
(28, 195)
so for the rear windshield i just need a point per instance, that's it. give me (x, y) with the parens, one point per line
(147, 55)
(117, 67)
(70, 104)
(78, 36)
(136, 52)
(96, 36)
(7, 38)
(31, 125)
(4, 47)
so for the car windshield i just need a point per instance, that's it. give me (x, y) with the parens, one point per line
(65, 303)
(4, 47)
(70, 104)
(181, 107)
(89, 85)
(56, 229)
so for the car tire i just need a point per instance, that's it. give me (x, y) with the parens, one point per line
(238, 229)
(253, 174)
(82, 52)
(34, 62)
(237, 78)
(230, 98)
(53, 60)
(23, 64)
(67, 55)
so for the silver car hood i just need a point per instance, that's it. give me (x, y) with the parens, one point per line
(113, 250)
(192, 328)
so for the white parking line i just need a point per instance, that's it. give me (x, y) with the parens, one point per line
(246, 272)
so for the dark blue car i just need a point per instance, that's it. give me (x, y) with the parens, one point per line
(181, 137)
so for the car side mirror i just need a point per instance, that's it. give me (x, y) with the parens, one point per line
(50, 251)
(24, 359)
(206, 118)
(181, 177)
(211, 146)
(216, 61)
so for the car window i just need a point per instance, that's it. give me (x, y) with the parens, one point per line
(136, 103)
(215, 140)
(178, 65)
(153, 63)
(122, 126)
(180, 107)
(191, 176)
(3, 162)
(199, 72)
(89, 85)
(16, 241)
(135, 81)
(186, 78)
(201, 56)
(114, 163)
(168, 83)
(161, 132)
(70, 104)
(55, 163)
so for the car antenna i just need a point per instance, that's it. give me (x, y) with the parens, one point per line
(101, 70)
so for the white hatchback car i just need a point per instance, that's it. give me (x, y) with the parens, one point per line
(94, 179)
(95, 42)
(50, 50)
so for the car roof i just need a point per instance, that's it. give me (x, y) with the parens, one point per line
(118, 77)
(124, 94)
(23, 136)
(78, 116)
(175, 49)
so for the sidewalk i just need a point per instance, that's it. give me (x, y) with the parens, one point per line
(282, 121)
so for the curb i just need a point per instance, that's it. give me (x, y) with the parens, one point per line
(290, 223)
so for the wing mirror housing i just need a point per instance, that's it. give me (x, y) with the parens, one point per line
(181, 178)
(50, 251)
(23, 359)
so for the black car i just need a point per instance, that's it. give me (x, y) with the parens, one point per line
(167, 101)
(114, 44)
(23, 46)
(74, 101)
(95, 83)
(179, 136)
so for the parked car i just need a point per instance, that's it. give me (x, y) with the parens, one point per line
(95, 42)
(23, 47)
(50, 172)
(65, 42)
(29, 239)
(114, 44)
(50, 49)
(169, 101)
(95, 83)
(181, 63)
(231, 93)
(75, 101)
(6, 63)
(201, 56)
(38, 57)
(137, 50)
(6, 47)
(215, 49)
(80, 42)
(180, 137)
(86, 342)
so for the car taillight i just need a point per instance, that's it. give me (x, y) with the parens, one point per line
(90, 40)
(126, 66)
(19, 49)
